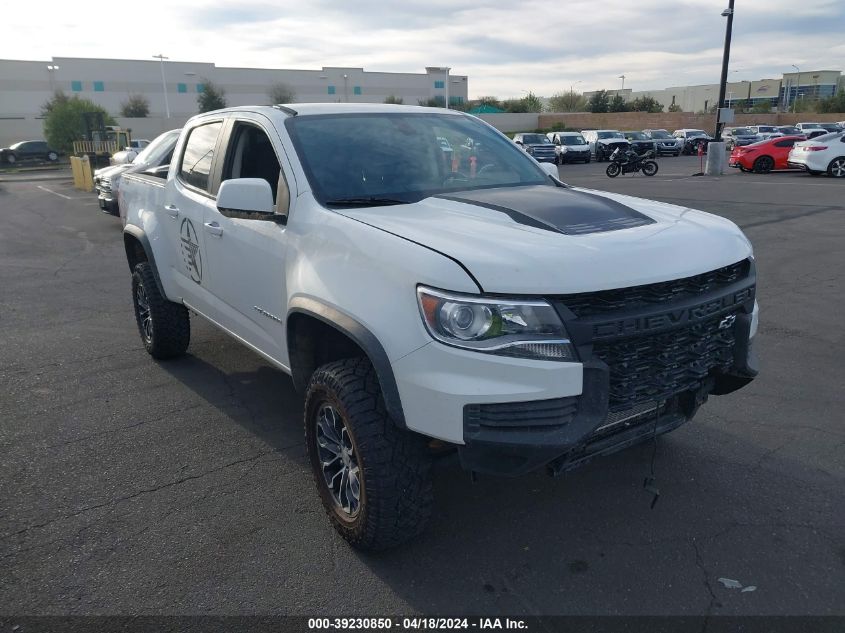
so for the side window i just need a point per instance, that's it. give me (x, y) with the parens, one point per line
(787, 143)
(251, 155)
(199, 155)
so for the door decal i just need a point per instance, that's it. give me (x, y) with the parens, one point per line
(191, 250)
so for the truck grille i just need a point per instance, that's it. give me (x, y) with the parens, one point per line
(650, 357)
(536, 414)
(604, 301)
(657, 366)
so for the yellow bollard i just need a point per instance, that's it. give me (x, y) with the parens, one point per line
(87, 175)
(76, 168)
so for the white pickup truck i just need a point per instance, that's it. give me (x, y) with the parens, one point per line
(423, 303)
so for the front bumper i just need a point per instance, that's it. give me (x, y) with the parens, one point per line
(107, 201)
(643, 371)
(668, 148)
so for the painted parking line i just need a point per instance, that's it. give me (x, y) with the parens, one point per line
(55, 193)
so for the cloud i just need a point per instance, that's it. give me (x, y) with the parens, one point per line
(505, 47)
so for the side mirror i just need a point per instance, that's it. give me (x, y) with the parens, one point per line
(550, 169)
(247, 199)
(158, 172)
(518, 142)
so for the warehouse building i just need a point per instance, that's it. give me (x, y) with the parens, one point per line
(171, 87)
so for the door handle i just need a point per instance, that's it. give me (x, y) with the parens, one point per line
(172, 211)
(214, 229)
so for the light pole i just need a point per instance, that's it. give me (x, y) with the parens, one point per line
(447, 69)
(726, 58)
(51, 68)
(730, 98)
(572, 95)
(161, 58)
(622, 77)
(346, 87)
(797, 88)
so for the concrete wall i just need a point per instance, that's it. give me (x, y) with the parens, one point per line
(507, 122)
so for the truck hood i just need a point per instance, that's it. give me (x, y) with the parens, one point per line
(541, 240)
(610, 141)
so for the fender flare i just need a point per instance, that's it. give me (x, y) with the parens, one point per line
(138, 234)
(365, 339)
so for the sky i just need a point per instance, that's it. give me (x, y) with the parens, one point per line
(506, 48)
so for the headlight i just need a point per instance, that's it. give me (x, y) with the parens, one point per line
(507, 327)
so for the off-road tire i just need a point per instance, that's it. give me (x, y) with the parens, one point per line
(394, 466)
(170, 331)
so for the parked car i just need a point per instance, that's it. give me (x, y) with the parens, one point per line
(831, 127)
(153, 160)
(570, 147)
(28, 150)
(692, 139)
(789, 130)
(765, 132)
(806, 126)
(812, 130)
(604, 142)
(666, 143)
(128, 154)
(640, 142)
(536, 145)
(764, 156)
(739, 136)
(819, 155)
(521, 322)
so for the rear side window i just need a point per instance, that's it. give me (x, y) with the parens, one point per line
(199, 155)
(786, 143)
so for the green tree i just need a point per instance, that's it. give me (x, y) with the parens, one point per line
(281, 93)
(514, 105)
(211, 98)
(567, 102)
(617, 104)
(136, 106)
(674, 108)
(489, 100)
(58, 98)
(599, 101)
(761, 107)
(836, 103)
(64, 120)
(645, 104)
(394, 99)
(528, 103)
(433, 102)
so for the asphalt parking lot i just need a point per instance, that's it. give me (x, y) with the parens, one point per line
(130, 486)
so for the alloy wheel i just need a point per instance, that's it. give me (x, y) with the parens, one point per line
(338, 460)
(837, 168)
(145, 319)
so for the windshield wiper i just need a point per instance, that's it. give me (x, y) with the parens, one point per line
(365, 202)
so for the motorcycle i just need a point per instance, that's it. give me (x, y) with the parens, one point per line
(628, 161)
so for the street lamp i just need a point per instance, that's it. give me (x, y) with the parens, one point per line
(622, 77)
(726, 57)
(572, 94)
(446, 83)
(161, 58)
(797, 88)
(346, 87)
(51, 68)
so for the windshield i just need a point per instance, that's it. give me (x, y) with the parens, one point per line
(610, 134)
(765, 128)
(789, 130)
(660, 134)
(636, 136)
(155, 152)
(696, 133)
(743, 131)
(809, 125)
(828, 137)
(833, 127)
(358, 159)
(535, 139)
(572, 140)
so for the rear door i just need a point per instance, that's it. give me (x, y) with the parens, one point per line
(246, 257)
(187, 196)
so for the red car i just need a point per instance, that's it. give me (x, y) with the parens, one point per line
(764, 156)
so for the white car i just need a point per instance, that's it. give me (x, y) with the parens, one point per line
(481, 305)
(128, 154)
(604, 142)
(155, 155)
(570, 147)
(819, 155)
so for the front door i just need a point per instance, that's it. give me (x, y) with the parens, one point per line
(186, 198)
(246, 257)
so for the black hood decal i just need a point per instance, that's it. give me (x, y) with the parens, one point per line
(557, 209)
